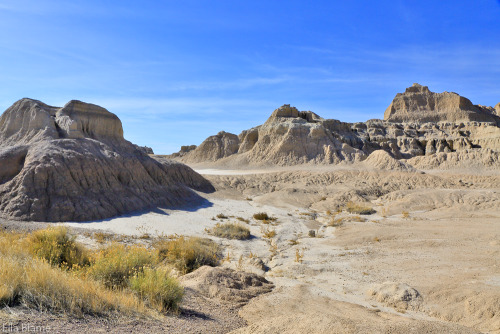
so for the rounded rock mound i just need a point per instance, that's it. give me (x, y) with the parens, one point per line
(73, 164)
(382, 160)
(397, 295)
(226, 284)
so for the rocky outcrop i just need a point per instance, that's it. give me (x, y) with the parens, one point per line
(288, 137)
(73, 164)
(145, 149)
(214, 148)
(226, 285)
(417, 123)
(419, 104)
(382, 160)
(400, 296)
(184, 150)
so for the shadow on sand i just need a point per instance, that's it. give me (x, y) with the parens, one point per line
(195, 203)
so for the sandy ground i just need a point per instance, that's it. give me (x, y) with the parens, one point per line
(211, 171)
(436, 233)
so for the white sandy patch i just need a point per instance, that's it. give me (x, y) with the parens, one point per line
(211, 171)
(181, 222)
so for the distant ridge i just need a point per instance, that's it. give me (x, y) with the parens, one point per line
(417, 123)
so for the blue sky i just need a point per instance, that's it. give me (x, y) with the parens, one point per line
(176, 72)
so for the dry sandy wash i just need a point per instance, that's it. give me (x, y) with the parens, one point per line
(426, 261)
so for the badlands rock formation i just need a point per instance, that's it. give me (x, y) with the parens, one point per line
(73, 164)
(419, 104)
(382, 160)
(213, 148)
(418, 123)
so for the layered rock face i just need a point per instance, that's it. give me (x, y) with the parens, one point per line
(213, 148)
(419, 104)
(73, 164)
(417, 123)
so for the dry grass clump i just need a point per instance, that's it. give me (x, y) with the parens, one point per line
(359, 209)
(57, 247)
(265, 218)
(230, 231)
(405, 214)
(114, 265)
(273, 249)
(35, 283)
(48, 270)
(188, 253)
(268, 233)
(299, 256)
(222, 216)
(160, 291)
(337, 222)
(262, 216)
(384, 212)
(102, 237)
(241, 219)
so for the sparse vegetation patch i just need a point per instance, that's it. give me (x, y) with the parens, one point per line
(268, 233)
(222, 216)
(263, 216)
(299, 256)
(188, 253)
(57, 247)
(114, 265)
(48, 271)
(160, 291)
(230, 231)
(359, 209)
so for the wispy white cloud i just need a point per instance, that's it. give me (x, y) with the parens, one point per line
(424, 56)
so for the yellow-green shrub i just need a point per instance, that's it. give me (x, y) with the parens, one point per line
(35, 283)
(188, 253)
(55, 245)
(115, 264)
(158, 289)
